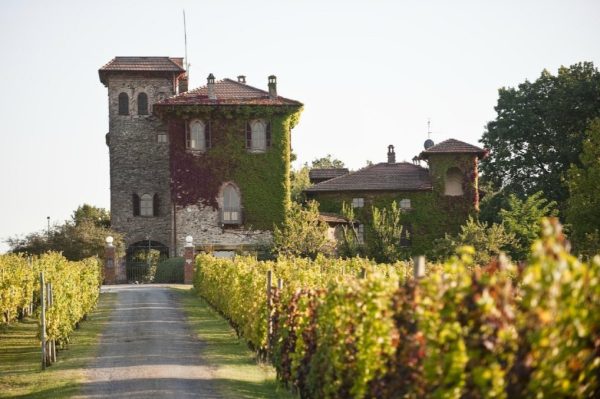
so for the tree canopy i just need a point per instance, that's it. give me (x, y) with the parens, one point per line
(583, 210)
(80, 237)
(538, 132)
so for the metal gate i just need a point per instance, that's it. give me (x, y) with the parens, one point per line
(148, 262)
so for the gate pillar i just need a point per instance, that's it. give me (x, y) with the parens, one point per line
(188, 266)
(110, 262)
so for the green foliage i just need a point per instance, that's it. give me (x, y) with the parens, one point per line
(299, 181)
(538, 132)
(462, 331)
(302, 233)
(522, 219)
(386, 232)
(263, 178)
(488, 242)
(170, 270)
(76, 286)
(349, 245)
(79, 238)
(327, 162)
(583, 212)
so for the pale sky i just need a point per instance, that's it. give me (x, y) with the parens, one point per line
(370, 73)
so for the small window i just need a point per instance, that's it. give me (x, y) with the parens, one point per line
(454, 182)
(146, 206)
(123, 104)
(142, 104)
(405, 204)
(198, 136)
(231, 210)
(161, 138)
(135, 199)
(258, 135)
(360, 234)
(358, 202)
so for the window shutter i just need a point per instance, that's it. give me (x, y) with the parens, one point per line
(208, 134)
(248, 135)
(136, 205)
(155, 205)
(186, 138)
(142, 104)
(268, 134)
(123, 104)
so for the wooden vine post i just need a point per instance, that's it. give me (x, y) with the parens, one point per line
(419, 267)
(43, 319)
(269, 305)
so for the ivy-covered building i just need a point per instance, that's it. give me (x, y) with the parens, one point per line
(212, 162)
(435, 199)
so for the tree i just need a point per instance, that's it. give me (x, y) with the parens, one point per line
(583, 210)
(522, 219)
(300, 180)
(302, 233)
(327, 162)
(349, 246)
(386, 232)
(487, 241)
(80, 237)
(538, 132)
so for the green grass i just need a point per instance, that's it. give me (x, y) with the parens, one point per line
(20, 359)
(237, 373)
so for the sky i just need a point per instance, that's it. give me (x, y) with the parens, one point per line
(369, 73)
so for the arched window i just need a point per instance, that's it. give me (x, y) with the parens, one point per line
(146, 205)
(258, 135)
(142, 102)
(454, 182)
(123, 104)
(231, 209)
(196, 136)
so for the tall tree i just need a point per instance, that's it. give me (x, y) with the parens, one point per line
(327, 162)
(538, 132)
(583, 211)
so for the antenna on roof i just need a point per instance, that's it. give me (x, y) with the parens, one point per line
(187, 64)
(428, 128)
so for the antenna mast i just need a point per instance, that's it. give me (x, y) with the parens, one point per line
(428, 128)
(187, 64)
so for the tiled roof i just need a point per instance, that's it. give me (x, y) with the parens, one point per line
(402, 176)
(227, 91)
(453, 146)
(326, 173)
(332, 218)
(141, 64)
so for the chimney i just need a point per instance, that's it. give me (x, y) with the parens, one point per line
(182, 84)
(272, 87)
(391, 154)
(242, 79)
(211, 87)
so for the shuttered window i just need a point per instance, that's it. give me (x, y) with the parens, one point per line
(123, 104)
(142, 102)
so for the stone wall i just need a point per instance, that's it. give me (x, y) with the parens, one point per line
(202, 223)
(138, 163)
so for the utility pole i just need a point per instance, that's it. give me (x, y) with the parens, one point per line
(48, 231)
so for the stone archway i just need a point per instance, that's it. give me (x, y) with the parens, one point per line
(146, 262)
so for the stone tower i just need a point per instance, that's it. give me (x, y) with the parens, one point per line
(139, 149)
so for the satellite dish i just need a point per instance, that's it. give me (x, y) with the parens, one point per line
(428, 144)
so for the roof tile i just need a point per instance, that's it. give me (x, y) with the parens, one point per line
(227, 91)
(402, 176)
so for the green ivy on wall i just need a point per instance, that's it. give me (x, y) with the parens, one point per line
(432, 215)
(263, 178)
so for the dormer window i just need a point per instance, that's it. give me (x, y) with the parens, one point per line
(453, 184)
(123, 104)
(258, 135)
(197, 137)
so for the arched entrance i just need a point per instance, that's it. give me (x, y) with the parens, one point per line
(147, 262)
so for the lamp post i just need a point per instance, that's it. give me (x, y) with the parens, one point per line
(48, 231)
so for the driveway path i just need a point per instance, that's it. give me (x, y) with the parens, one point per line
(148, 351)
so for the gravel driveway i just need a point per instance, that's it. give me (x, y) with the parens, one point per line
(148, 351)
